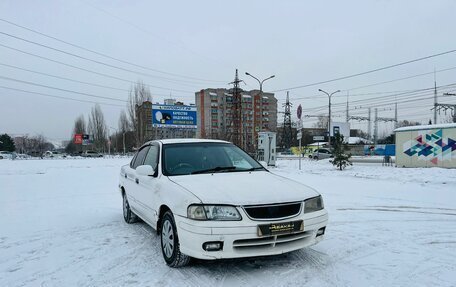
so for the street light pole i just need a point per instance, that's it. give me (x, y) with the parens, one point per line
(260, 82)
(329, 116)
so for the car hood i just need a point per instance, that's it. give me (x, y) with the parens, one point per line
(244, 188)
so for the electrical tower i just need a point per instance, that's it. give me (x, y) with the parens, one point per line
(287, 136)
(381, 119)
(368, 119)
(235, 134)
(439, 107)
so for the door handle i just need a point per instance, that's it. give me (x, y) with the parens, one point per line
(137, 180)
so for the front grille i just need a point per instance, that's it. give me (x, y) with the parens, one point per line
(273, 211)
(272, 241)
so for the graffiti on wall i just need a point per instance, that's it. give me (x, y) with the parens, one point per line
(431, 147)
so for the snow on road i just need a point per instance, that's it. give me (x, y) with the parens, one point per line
(61, 225)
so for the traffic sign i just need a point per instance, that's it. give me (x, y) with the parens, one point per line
(299, 112)
(318, 138)
(299, 135)
(299, 125)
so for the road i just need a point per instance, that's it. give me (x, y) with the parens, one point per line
(62, 225)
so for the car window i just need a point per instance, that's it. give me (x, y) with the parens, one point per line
(152, 157)
(180, 159)
(140, 157)
(237, 159)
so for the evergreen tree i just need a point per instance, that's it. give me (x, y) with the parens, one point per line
(6, 143)
(341, 159)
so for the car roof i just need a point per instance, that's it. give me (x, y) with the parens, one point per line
(189, 140)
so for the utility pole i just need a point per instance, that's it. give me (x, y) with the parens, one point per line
(329, 117)
(376, 126)
(435, 99)
(260, 108)
(369, 124)
(236, 133)
(346, 112)
(395, 116)
(286, 131)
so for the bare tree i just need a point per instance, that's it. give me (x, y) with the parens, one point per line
(406, 123)
(80, 125)
(124, 124)
(97, 127)
(138, 95)
(322, 122)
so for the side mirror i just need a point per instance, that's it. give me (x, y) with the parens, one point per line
(145, 170)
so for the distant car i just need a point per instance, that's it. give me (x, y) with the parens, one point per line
(7, 155)
(54, 154)
(91, 153)
(208, 199)
(322, 153)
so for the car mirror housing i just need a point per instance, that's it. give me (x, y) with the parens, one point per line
(145, 170)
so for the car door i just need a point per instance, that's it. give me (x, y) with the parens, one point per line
(148, 187)
(131, 180)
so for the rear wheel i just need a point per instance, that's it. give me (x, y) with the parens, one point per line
(315, 157)
(129, 216)
(170, 243)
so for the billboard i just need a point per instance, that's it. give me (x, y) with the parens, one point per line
(78, 138)
(174, 116)
(83, 139)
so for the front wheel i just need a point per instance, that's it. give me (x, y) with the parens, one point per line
(170, 243)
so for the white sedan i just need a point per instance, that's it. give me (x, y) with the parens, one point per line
(209, 200)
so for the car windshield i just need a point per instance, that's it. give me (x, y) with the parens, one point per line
(197, 158)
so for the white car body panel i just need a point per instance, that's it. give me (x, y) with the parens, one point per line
(147, 194)
(244, 188)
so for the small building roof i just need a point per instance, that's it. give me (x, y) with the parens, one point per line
(426, 127)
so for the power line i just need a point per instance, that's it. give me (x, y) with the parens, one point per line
(94, 61)
(400, 79)
(63, 78)
(59, 97)
(105, 55)
(368, 72)
(59, 89)
(148, 32)
(90, 71)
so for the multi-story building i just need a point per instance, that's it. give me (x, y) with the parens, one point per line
(146, 131)
(216, 110)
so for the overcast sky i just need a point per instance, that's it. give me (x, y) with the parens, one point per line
(199, 44)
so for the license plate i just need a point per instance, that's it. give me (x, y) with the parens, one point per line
(280, 228)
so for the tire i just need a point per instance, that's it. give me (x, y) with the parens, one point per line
(315, 157)
(128, 215)
(170, 243)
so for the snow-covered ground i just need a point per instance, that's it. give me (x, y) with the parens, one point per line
(61, 225)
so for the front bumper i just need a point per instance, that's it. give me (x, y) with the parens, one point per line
(240, 238)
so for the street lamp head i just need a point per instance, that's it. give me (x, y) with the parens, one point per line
(320, 90)
(247, 73)
(273, 76)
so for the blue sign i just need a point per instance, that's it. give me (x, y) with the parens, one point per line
(388, 149)
(174, 116)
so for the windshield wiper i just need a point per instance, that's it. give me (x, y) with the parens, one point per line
(215, 169)
(254, 168)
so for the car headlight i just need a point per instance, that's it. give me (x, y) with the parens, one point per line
(213, 212)
(313, 204)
